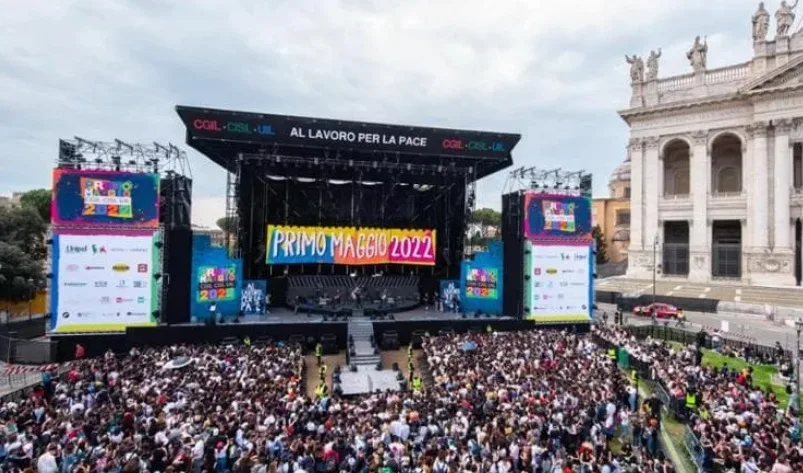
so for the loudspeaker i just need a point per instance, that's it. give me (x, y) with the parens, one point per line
(175, 207)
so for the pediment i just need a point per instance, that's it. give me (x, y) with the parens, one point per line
(788, 75)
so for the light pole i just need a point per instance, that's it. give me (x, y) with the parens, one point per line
(654, 265)
(799, 328)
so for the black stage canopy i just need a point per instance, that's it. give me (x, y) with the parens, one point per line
(224, 135)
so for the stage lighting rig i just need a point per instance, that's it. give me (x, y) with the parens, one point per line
(80, 153)
(549, 181)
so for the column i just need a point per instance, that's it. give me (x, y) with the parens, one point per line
(783, 169)
(759, 190)
(699, 247)
(636, 148)
(651, 172)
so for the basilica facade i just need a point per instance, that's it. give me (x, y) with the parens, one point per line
(716, 163)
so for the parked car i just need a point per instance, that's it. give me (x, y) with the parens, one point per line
(661, 310)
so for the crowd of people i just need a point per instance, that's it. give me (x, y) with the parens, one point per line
(539, 402)
(740, 426)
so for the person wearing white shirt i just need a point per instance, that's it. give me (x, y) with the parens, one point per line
(47, 461)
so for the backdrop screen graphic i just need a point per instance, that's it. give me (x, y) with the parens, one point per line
(252, 297)
(450, 294)
(482, 283)
(216, 283)
(104, 198)
(558, 283)
(557, 217)
(341, 245)
(103, 282)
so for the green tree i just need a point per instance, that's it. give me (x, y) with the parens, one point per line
(20, 274)
(486, 217)
(602, 247)
(24, 228)
(227, 224)
(39, 200)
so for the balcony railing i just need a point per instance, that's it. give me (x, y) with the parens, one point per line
(675, 202)
(720, 75)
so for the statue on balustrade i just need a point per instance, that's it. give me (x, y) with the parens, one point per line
(698, 55)
(761, 23)
(636, 68)
(785, 18)
(652, 65)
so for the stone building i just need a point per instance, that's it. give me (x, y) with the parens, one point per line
(612, 213)
(717, 162)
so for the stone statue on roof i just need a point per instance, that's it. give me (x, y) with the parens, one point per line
(761, 23)
(698, 55)
(636, 68)
(652, 65)
(785, 18)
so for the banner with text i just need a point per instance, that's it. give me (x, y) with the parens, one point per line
(341, 245)
(558, 282)
(216, 283)
(557, 218)
(481, 283)
(105, 198)
(254, 299)
(103, 282)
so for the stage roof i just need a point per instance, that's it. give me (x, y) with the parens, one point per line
(222, 135)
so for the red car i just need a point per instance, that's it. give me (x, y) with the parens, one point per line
(662, 311)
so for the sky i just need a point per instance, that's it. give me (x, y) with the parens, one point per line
(554, 72)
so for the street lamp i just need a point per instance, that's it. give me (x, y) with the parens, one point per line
(654, 265)
(798, 328)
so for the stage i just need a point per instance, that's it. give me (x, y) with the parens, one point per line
(285, 325)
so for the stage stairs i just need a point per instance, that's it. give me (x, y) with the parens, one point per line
(361, 342)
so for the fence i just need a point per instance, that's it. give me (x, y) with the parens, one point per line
(14, 350)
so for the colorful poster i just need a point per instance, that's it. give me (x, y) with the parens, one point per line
(558, 283)
(104, 282)
(105, 198)
(450, 294)
(216, 283)
(341, 245)
(481, 283)
(557, 218)
(254, 298)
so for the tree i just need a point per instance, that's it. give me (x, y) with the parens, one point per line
(486, 217)
(227, 224)
(39, 200)
(24, 228)
(20, 274)
(602, 247)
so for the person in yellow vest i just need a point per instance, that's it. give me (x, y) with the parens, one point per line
(247, 341)
(489, 329)
(322, 390)
(612, 354)
(418, 383)
(410, 352)
(319, 352)
(411, 368)
(691, 402)
(322, 373)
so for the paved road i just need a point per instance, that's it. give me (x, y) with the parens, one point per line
(783, 297)
(747, 327)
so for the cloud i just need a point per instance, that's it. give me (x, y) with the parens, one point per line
(553, 71)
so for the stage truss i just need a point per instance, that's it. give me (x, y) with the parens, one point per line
(154, 158)
(549, 181)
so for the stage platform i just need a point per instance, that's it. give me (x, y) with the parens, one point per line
(284, 324)
(367, 380)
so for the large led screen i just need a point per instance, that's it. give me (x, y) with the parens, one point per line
(104, 198)
(481, 283)
(557, 218)
(340, 245)
(216, 283)
(559, 283)
(103, 282)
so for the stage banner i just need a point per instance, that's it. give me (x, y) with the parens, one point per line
(557, 218)
(481, 283)
(105, 198)
(558, 283)
(341, 245)
(103, 282)
(450, 294)
(253, 297)
(216, 283)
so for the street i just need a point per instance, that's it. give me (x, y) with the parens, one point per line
(742, 327)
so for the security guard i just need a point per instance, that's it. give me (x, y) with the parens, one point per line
(612, 354)
(410, 352)
(322, 390)
(322, 373)
(418, 383)
(489, 329)
(634, 377)
(247, 341)
(691, 402)
(411, 368)
(319, 352)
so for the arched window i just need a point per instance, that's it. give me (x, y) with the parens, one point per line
(729, 180)
(681, 182)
